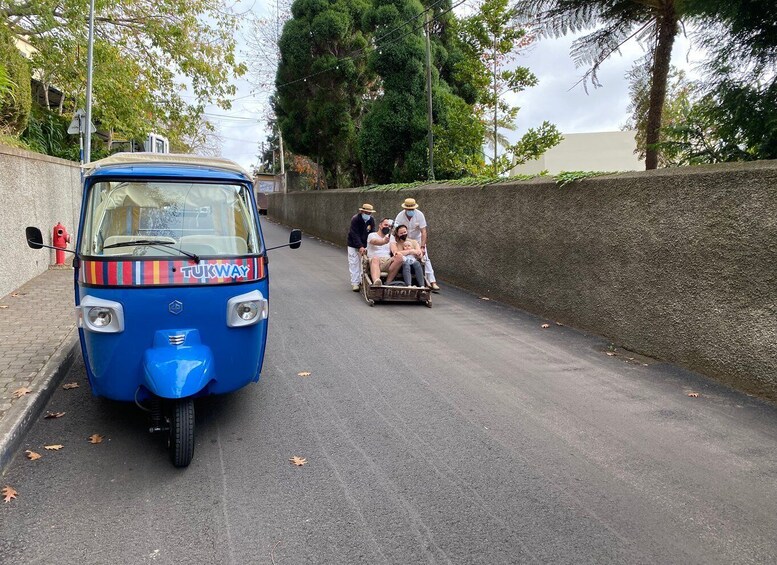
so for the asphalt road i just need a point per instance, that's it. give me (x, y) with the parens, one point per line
(461, 434)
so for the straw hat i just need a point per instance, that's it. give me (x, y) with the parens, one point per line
(409, 204)
(367, 208)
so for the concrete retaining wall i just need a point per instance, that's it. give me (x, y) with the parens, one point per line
(677, 264)
(35, 190)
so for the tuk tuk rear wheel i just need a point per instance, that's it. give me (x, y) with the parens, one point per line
(181, 438)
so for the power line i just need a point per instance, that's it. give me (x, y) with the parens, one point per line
(228, 117)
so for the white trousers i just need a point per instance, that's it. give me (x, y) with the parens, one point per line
(355, 265)
(428, 270)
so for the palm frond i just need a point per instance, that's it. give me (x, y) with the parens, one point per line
(558, 17)
(595, 48)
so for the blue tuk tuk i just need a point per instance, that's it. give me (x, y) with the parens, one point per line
(171, 285)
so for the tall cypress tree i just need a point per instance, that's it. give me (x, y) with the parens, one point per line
(397, 118)
(321, 83)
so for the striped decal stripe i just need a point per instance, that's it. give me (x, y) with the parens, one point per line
(178, 272)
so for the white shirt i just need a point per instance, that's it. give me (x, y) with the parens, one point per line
(375, 249)
(414, 224)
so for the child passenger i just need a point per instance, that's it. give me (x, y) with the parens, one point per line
(411, 254)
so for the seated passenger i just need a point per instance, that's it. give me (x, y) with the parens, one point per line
(411, 254)
(379, 254)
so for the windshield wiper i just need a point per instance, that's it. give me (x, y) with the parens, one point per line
(152, 243)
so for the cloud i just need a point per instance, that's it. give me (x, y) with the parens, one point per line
(559, 98)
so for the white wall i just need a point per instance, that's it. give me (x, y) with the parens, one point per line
(35, 190)
(601, 151)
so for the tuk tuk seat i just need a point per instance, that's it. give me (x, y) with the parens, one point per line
(221, 244)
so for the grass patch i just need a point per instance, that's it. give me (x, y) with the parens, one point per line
(562, 179)
(14, 141)
(467, 181)
(565, 177)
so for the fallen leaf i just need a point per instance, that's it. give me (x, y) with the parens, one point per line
(95, 438)
(19, 392)
(610, 353)
(55, 447)
(545, 326)
(8, 493)
(32, 456)
(484, 298)
(51, 415)
(693, 394)
(304, 374)
(68, 386)
(298, 461)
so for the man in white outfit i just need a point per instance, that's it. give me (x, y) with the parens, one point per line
(415, 221)
(362, 225)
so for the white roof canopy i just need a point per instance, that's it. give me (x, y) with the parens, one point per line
(166, 159)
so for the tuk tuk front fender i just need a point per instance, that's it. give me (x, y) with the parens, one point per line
(178, 365)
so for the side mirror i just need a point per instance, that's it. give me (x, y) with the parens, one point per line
(34, 237)
(295, 239)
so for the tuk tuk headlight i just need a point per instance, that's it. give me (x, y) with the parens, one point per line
(246, 309)
(100, 316)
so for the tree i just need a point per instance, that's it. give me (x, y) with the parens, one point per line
(15, 96)
(264, 56)
(458, 138)
(739, 100)
(726, 120)
(745, 34)
(6, 84)
(321, 84)
(680, 96)
(395, 126)
(142, 47)
(493, 37)
(614, 22)
(204, 140)
(263, 40)
(735, 122)
(393, 142)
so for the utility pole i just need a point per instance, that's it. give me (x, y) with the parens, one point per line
(280, 151)
(496, 110)
(278, 53)
(88, 144)
(429, 93)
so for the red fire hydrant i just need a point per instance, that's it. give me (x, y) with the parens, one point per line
(60, 238)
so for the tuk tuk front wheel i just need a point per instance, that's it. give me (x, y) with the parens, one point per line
(181, 438)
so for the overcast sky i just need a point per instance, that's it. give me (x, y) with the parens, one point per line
(555, 98)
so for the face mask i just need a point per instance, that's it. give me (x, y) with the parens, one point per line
(410, 213)
(402, 237)
(385, 231)
(366, 217)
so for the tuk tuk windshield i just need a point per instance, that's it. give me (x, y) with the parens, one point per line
(163, 219)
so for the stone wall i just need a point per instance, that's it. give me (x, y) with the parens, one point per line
(676, 264)
(35, 190)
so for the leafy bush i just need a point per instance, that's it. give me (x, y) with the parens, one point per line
(47, 133)
(15, 94)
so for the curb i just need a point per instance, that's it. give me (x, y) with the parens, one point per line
(25, 411)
